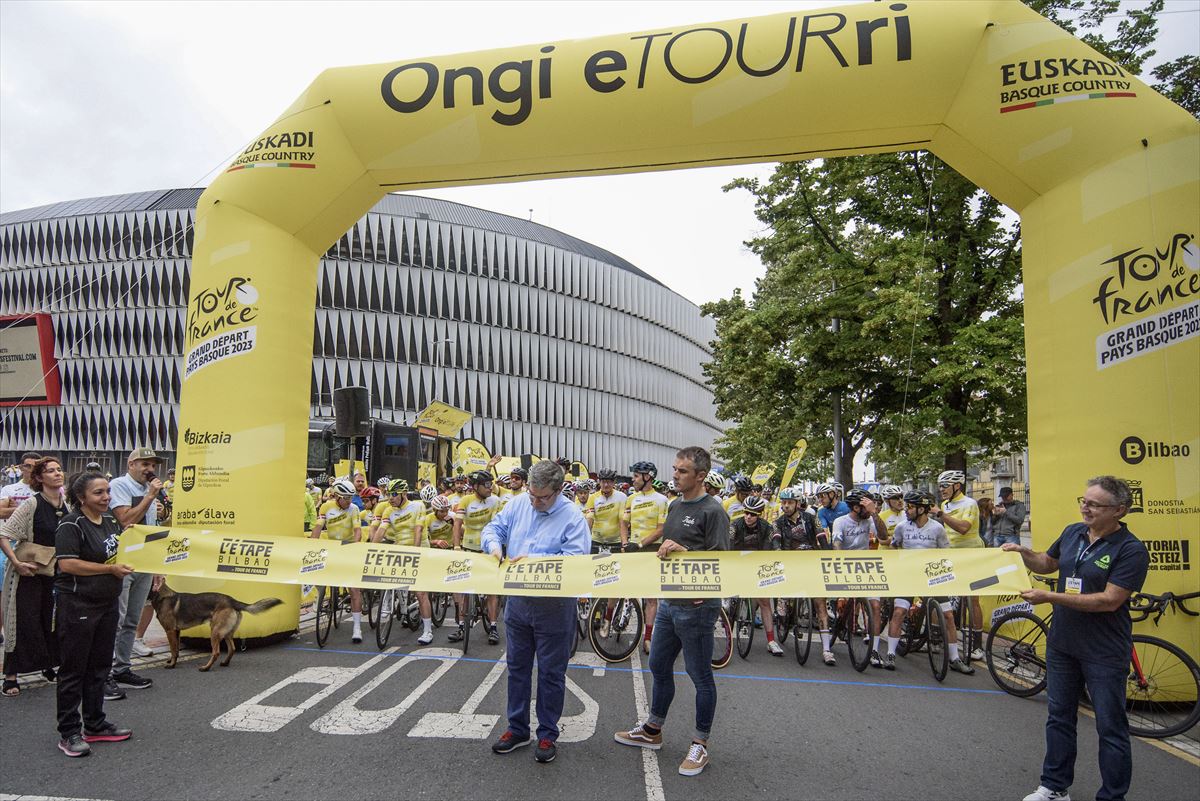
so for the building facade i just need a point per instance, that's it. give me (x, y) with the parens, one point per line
(556, 346)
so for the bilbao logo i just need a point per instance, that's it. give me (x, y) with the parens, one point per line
(1135, 450)
(187, 477)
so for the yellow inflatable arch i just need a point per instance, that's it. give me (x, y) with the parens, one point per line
(1103, 171)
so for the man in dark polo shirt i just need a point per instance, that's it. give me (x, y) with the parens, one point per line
(1100, 564)
(695, 522)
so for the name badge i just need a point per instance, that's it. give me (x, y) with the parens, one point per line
(1074, 586)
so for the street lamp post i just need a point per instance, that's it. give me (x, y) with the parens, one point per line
(437, 344)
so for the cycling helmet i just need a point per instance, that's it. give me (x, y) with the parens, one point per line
(502, 480)
(446, 482)
(890, 491)
(308, 482)
(715, 480)
(644, 467)
(788, 494)
(754, 505)
(742, 484)
(823, 489)
(343, 487)
(372, 492)
(918, 498)
(855, 497)
(583, 488)
(568, 490)
(480, 477)
(839, 488)
(429, 494)
(951, 477)
(671, 486)
(875, 496)
(564, 463)
(439, 502)
(658, 485)
(383, 481)
(397, 486)
(607, 475)
(520, 472)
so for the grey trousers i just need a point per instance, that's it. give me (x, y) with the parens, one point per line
(134, 591)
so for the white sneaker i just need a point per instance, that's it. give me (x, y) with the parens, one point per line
(1046, 794)
(604, 627)
(695, 761)
(425, 638)
(141, 649)
(829, 658)
(978, 655)
(356, 635)
(774, 649)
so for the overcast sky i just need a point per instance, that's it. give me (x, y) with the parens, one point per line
(105, 98)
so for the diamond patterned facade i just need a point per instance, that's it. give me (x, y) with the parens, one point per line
(556, 346)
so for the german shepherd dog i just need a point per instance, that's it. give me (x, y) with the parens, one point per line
(222, 613)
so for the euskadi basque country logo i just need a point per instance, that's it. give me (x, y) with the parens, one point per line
(289, 150)
(690, 575)
(542, 574)
(187, 477)
(245, 556)
(458, 570)
(853, 573)
(770, 574)
(388, 566)
(939, 571)
(312, 561)
(1153, 295)
(177, 550)
(1052, 81)
(606, 573)
(218, 319)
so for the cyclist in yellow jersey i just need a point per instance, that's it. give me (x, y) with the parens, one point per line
(959, 514)
(338, 519)
(370, 499)
(733, 504)
(516, 485)
(398, 520)
(642, 524)
(437, 527)
(471, 514)
(892, 514)
(603, 511)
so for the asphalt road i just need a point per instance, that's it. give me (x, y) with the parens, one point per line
(297, 722)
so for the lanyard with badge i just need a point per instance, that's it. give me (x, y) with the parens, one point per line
(1074, 582)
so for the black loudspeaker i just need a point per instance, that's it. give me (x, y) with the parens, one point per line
(352, 411)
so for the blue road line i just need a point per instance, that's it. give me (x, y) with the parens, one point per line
(716, 673)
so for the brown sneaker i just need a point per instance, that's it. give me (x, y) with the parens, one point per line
(640, 737)
(695, 761)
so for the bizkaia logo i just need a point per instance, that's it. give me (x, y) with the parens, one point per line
(187, 478)
(191, 437)
(1135, 450)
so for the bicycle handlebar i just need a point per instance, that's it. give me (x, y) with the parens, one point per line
(1145, 604)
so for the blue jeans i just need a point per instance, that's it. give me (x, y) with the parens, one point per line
(543, 627)
(1000, 539)
(1066, 677)
(688, 627)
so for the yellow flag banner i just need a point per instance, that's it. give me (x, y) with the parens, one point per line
(470, 455)
(446, 419)
(832, 574)
(762, 474)
(794, 461)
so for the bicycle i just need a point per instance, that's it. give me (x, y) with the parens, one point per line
(1163, 683)
(722, 640)
(398, 603)
(799, 616)
(743, 610)
(852, 624)
(329, 613)
(615, 633)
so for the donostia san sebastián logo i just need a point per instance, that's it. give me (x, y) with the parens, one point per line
(177, 550)
(245, 556)
(458, 570)
(389, 566)
(219, 319)
(939, 571)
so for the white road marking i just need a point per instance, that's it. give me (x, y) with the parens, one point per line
(464, 724)
(253, 715)
(347, 718)
(573, 728)
(654, 786)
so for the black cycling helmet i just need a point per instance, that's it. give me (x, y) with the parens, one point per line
(742, 484)
(519, 472)
(918, 498)
(607, 475)
(644, 467)
(564, 463)
(855, 497)
(480, 477)
(754, 505)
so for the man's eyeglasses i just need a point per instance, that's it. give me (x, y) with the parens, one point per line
(27, 465)
(1086, 504)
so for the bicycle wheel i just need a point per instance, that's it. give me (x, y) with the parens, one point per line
(804, 625)
(857, 633)
(439, 601)
(935, 633)
(1160, 695)
(383, 631)
(965, 621)
(783, 622)
(722, 640)
(1016, 654)
(623, 632)
(326, 604)
(912, 634)
(743, 626)
(468, 619)
(370, 603)
(340, 599)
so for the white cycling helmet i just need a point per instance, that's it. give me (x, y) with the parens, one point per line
(343, 487)
(439, 502)
(824, 488)
(429, 493)
(715, 480)
(889, 491)
(951, 477)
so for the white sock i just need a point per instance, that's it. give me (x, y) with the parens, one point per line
(892, 643)
(953, 651)
(357, 616)
(427, 624)
(875, 644)
(825, 640)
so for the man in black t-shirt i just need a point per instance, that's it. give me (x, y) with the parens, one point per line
(695, 522)
(1100, 564)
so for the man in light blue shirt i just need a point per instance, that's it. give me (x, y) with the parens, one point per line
(539, 523)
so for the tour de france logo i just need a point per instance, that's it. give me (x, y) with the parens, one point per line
(457, 570)
(939, 572)
(177, 550)
(312, 561)
(770, 574)
(606, 573)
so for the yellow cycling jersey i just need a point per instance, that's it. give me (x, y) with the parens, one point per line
(605, 515)
(891, 519)
(476, 514)
(365, 516)
(645, 512)
(510, 495)
(733, 508)
(436, 529)
(338, 523)
(773, 511)
(961, 507)
(399, 525)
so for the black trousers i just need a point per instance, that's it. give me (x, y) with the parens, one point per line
(87, 631)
